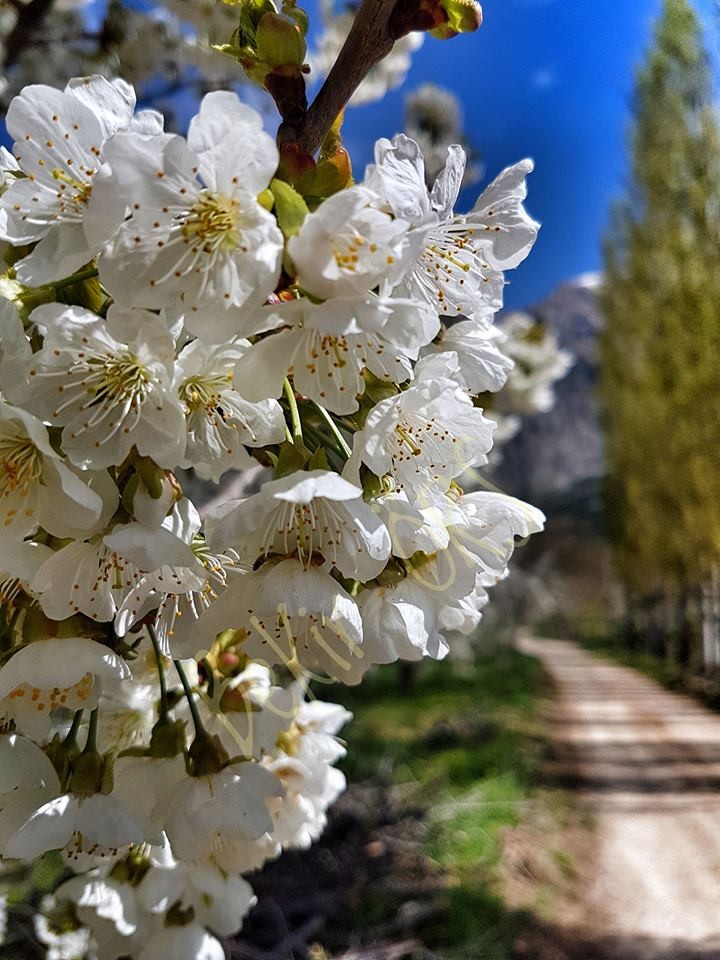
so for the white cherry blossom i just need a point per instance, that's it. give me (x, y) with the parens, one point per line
(188, 942)
(313, 515)
(61, 944)
(292, 615)
(205, 813)
(539, 363)
(327, 346)
(108, 384)
(95, 577)
(27, 781)
(15, 353)
(83, 827)
(220, 420)
(482, 528)
(251, 713)
(197, 236)
(100, 902)
(219, 901)
(400, 622)
(370, 342)
(49, 674)
(483, 363)
(36, 487)
(59, 141)
(428, 434)
(459, 269)
(179, 595)
(348, 247)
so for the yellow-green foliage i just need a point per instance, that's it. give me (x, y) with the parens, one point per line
(660, 354)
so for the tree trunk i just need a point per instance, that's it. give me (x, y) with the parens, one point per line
(711, 621)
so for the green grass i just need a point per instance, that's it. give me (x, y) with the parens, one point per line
(465, 742)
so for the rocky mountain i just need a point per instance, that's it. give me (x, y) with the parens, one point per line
(556, 460)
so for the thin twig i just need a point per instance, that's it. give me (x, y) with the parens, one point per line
(369, 41)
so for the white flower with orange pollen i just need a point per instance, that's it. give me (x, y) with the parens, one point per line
(85, 827)
(197, 237)
(427, 435)
(221, 422)
(293, 615)
(315, 516)
(460, 266)
(327, 346)
(37, 489)
(48, 674)
(295, 610)
(59, 142)
(179, 596)
(348, 247)
(94, 577)
(108, 383)
(206, 813)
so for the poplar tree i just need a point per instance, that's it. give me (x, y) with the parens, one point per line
(660, 352)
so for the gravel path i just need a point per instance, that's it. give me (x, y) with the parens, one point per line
(647, 764)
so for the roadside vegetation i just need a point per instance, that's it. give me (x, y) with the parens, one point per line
(464, 748)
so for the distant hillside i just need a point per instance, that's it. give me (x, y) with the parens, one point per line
(556, 460)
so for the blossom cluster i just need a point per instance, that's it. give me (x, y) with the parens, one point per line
(172, 303)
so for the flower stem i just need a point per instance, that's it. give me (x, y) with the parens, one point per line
(294, 412)
(72, 733)
(161, 672)
(210, 676)
(87, 274)
(197, 722)
(91, 742)
(334, 429)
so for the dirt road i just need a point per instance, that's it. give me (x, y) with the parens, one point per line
(647, 764)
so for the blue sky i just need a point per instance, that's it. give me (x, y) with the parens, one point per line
(549, 79)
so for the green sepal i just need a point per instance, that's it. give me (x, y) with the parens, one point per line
(88, 773)
(290, 208)
(266, 199)
(127, 497)
(292, 457)
(168, 738)
(152, 476)
(207, 755)
(319, 460)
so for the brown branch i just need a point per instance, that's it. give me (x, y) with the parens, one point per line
(372, 36)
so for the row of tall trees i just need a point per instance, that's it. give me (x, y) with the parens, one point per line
(660, 353)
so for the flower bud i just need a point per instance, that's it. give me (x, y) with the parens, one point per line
(280, 42)
(463, 16)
